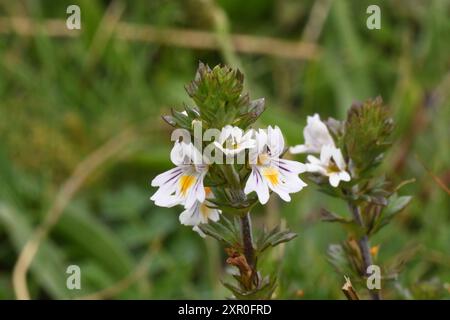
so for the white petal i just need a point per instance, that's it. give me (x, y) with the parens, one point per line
(313, 160)
(166, 195)
(275, 141)
(291, 166)
(257, 183)
(326, 153)
(344, 176)
(316, 134)
(283, 195)
(263, 193)
(190, 216)
(261, 140)
(232, 136)
(334, 179)
(313, 168)
(288, 183)
(281, 182)
(196, 192)
(250, 185)
(281, 190)
(214, 215)
(167, 177)
(293, 183)
(177, 153)
(338, 158)
(194, 155)
(166, 198)
(300, 148)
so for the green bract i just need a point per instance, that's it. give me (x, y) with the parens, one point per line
(368, 131)
(219, 100)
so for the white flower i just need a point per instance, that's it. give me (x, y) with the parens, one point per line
(316, 135)
(330, 164)
(184, 183)
(200, 213)
(232, 140)
(271, 172)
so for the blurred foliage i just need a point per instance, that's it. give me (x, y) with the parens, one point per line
(55, 109)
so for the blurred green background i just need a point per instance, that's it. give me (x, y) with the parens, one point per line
(64, 95)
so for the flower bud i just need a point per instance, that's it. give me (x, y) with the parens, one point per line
(368, 130)
(219, 98)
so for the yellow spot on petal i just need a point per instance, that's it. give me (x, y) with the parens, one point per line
(332, 167)
(186, 182)
(263, 159)
(272, 175)
(205, 211)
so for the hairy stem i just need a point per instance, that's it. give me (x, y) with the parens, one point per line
(247, 240)
(238, 195)
(364, 246)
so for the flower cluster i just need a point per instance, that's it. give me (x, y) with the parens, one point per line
(223, 167)
(230, 166)
(318, 140)
(184, 184)
(350, 151)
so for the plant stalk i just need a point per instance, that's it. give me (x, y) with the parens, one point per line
(364, 246)
(246, 228)
(247, 240)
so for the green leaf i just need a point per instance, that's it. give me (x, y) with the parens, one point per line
(329, 216)
(263, 292)
(396, 204)
(337, 257)
(256, 108)
(179, 119)
(224, 231)
(96, 241)
(273, 238)
(48, 266)
(398, 262)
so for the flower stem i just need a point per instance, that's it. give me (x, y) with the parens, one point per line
(232, 176)
(246, 228)
(247, 240)
(364, 246)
